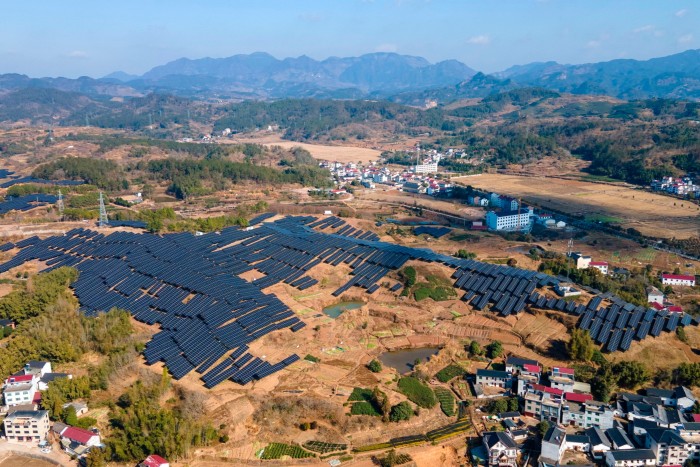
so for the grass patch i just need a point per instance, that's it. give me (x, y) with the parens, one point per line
(446, 400)
(449, 372)
(417, 392)
(360, 394)
(311, 358)
(438, 288)
(603, 219)
(277, 450)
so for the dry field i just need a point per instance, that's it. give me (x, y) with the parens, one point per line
(651, 214)
(319, 151)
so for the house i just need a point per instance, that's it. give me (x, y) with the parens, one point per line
(684, 399)
(78, 441)
(514, 364)
(20, 389)
(509, 220)
(29, 426)
(563, 372)
(80, 407)
(668, 446)
(638, 429)
(7, 323)
(531, 370)
(562, 378)
(600, 444)
(542, 405)
(678, 279)
(552, 446)
(566, 289)
(501, 379)
(618, 439)
(36, 367)
(667, 417)
(413, 187)
(47, 378)
(581, 443)
(587, 414)
(154, 460)
(601, 266)
(501, 449)
(654, 295)
(581, 261)
(630, 458)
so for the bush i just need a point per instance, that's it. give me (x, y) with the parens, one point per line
(494, 350)
(364, 408)
(401, 411)
(447, 401)
(417, 392)
(374, 366)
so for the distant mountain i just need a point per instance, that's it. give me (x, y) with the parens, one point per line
(674, 76)
(403, 78)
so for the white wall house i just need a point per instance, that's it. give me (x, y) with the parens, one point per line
(677, 279)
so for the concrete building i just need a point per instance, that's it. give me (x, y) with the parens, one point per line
(552, 446)
(654, 295)
(668, 446)
(501, 379)
(587, 414)
(630, 458)
(20, 389)
(509, 220)
(501, 449)
(581, 261)
(678, 280)
(429, 168)
(601, 266)
(27, 426)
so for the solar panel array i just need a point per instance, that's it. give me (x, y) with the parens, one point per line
(133, 224)
(25, 203)
(192, 287)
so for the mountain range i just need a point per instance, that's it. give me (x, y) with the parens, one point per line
(401, 78)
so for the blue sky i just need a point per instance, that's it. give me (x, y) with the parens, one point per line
(91, 37)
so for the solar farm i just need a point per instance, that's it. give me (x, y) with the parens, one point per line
(210, 316)
(25, 203)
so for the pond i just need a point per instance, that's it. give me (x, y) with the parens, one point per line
(403, 360)
(333, 311)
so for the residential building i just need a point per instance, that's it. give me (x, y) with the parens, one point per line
(668, 446)
(36, 367)
(581, 443)
(587, 414)
(552, 446)
(619, 439)
(47, 378)
(600, 444)
(581, 261)
(630, 458)
(678, 280)
(429, 168)
(563, 372)
(78, 441)
(515, 364)
(20, 389)
(542, 405)
(7, 323)
(509, 220)
(654, 295)
(501, 449)
(601, 266)
(501, 379)
(413, 187)
(26, 426)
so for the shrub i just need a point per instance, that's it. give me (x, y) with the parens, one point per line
(401, 411)
(374, 366)
(449, 372)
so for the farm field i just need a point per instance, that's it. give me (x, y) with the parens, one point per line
(320, 151)
(651, 214)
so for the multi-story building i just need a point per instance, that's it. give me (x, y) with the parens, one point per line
(581, 261)
(587, 414)
(630, 458)
(552, 446)
(601, 266)
(517, 220)
(501, 379)
(501, 448)
(542, 405)
(668, 446)
(30, 426)
(20, 389)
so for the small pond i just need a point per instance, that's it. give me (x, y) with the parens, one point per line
(333, 311)
(403, 360)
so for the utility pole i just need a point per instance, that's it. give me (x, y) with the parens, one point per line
(60, 205)
(103, 221)
(570, 247)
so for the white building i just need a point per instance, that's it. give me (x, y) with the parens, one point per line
(20, 389)
(430, 168)
(509, 220)
(30, 426)
(654, 295)
(601, 266)
(582, 261)
(630, 458)
(677, 279)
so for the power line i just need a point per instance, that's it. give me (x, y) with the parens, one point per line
(103, 221)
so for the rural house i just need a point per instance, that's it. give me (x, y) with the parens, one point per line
(26, 426)
(502, 450)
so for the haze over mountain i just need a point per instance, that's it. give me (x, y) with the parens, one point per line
(403, 78)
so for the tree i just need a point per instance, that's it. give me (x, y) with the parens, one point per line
(96, 458)
(687, 374)
(475, 349)
(498, 406)
(630, 374)
(542, 428)
(680, 333)
(513, 404)
(512, 262)
(69, 416)
(381, 401)
(494, 350)
(374, 366)
(464, 254)
(603, 384)
(580, 346)
(401, 411)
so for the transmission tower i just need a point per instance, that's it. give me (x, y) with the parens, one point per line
(60, 205)
(103, 213)
(569, 251)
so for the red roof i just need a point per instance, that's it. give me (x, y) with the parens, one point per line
(531, 368)
(577, 397)
(555, 391)
(563, 370)
(696, 417)
(598, 263)
(656, 306)
(154, 460)
(77, 434)
(21, 378)
(675, 309)
(37, 397)
(678, 277)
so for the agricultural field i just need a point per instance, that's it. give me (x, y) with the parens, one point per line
(650, 213)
